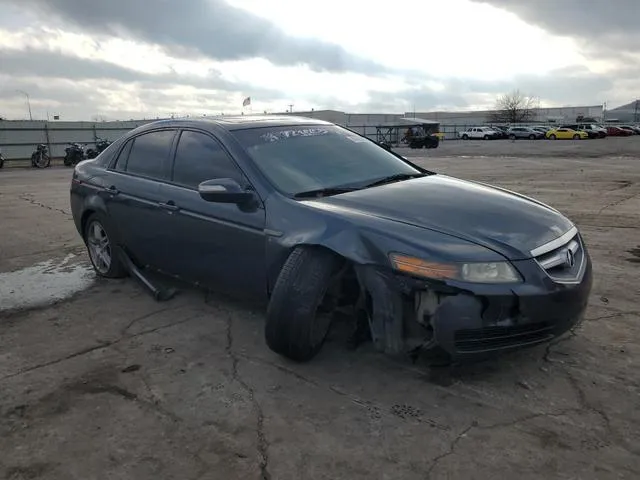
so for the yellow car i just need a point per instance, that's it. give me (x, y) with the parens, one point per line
(566, 134)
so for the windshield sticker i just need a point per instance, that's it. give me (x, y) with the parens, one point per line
(300, 132)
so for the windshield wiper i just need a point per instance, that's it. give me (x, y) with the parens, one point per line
(324, 192)
(395, 178)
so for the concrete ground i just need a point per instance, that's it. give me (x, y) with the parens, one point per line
(107, 383)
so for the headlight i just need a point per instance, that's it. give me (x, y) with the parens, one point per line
(485, 272)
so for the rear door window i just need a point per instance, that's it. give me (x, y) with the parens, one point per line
(199, 157)
(149, 155)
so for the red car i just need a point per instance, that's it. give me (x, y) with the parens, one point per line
(618, 132)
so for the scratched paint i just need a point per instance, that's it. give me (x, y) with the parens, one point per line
(44, 283)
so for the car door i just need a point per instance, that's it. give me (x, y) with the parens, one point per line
(134, 190)
(217, 244)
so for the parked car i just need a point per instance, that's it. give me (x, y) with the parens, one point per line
(424, 141)
(590, 132)
(615, 131)
(634, 130)
(485, 133)
(542, 130)
(566, 134)
(502, 131)
(315, 219)
(600, 131)
(524, 132)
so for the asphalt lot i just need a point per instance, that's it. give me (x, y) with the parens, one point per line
(107, 383)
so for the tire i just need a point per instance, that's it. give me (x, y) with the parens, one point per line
(512, 137)
(40, 160)
(67, 160)
(1, 162)
(532, 137)
(115, 268)
(576, 137)
(293, 328)
(465, 137)
(486, 137)
(552, 137)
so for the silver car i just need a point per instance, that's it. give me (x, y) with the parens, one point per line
(524, 132)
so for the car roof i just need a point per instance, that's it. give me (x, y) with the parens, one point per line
(237, 122)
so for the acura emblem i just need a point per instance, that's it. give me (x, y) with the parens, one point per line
(571, 259)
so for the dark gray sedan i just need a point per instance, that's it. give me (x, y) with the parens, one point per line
(524, 132)
(317, 220)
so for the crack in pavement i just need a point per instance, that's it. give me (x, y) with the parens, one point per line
(475, 425)
(262, 442)
(31, 200)
(105, 344)
(617, 202)
(338, 391)
(450, 450)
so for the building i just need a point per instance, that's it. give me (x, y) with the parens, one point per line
(629, 113)
(539, 115)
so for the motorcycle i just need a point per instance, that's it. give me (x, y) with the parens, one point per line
(101, 146)
(73, 154)
(40, 158)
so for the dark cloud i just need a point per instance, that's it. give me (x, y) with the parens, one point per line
(208, 27)
(611, 25)
(53, 64)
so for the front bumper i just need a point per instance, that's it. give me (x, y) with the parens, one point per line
(472, 321)
(468, 324)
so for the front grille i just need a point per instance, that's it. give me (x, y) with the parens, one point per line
(564, 263)
(496, 338)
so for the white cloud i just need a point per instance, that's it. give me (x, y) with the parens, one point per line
(357, 54)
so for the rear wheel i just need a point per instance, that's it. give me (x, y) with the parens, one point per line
(300, 309)
(576, 137)
(512, 137)
(552, 137)
(102, 252)
(486, 137)
(465, 137)
(532, 137)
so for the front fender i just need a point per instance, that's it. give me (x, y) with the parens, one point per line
(360, 238)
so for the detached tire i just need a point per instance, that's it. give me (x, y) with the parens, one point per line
(293, 328)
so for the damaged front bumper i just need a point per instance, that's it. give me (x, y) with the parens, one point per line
(472, 320)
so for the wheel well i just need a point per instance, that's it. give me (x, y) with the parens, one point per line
(83, 220)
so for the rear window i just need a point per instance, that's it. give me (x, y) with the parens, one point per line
(149, 154)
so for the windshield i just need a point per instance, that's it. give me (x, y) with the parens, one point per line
(299, 158)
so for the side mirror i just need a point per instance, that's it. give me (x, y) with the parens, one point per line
(223, 190)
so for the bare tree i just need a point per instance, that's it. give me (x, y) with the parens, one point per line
(514, 107)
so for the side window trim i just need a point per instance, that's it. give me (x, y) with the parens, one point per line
(174, 152)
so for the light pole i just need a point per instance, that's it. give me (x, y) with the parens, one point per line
(28, 102)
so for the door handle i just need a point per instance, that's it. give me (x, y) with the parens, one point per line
(113, 190)
(170, 205)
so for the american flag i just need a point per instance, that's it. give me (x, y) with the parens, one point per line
(246, 101)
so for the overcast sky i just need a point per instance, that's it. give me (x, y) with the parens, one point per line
(120, 59)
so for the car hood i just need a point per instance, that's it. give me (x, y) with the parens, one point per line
(506, 222)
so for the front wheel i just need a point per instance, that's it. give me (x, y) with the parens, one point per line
(512, 137)
(486, 137)
(300, 313)
(552, 137)
(532, 137)
(576, 137)
(465, 137)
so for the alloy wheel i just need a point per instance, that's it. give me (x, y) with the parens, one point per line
(99, 247)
